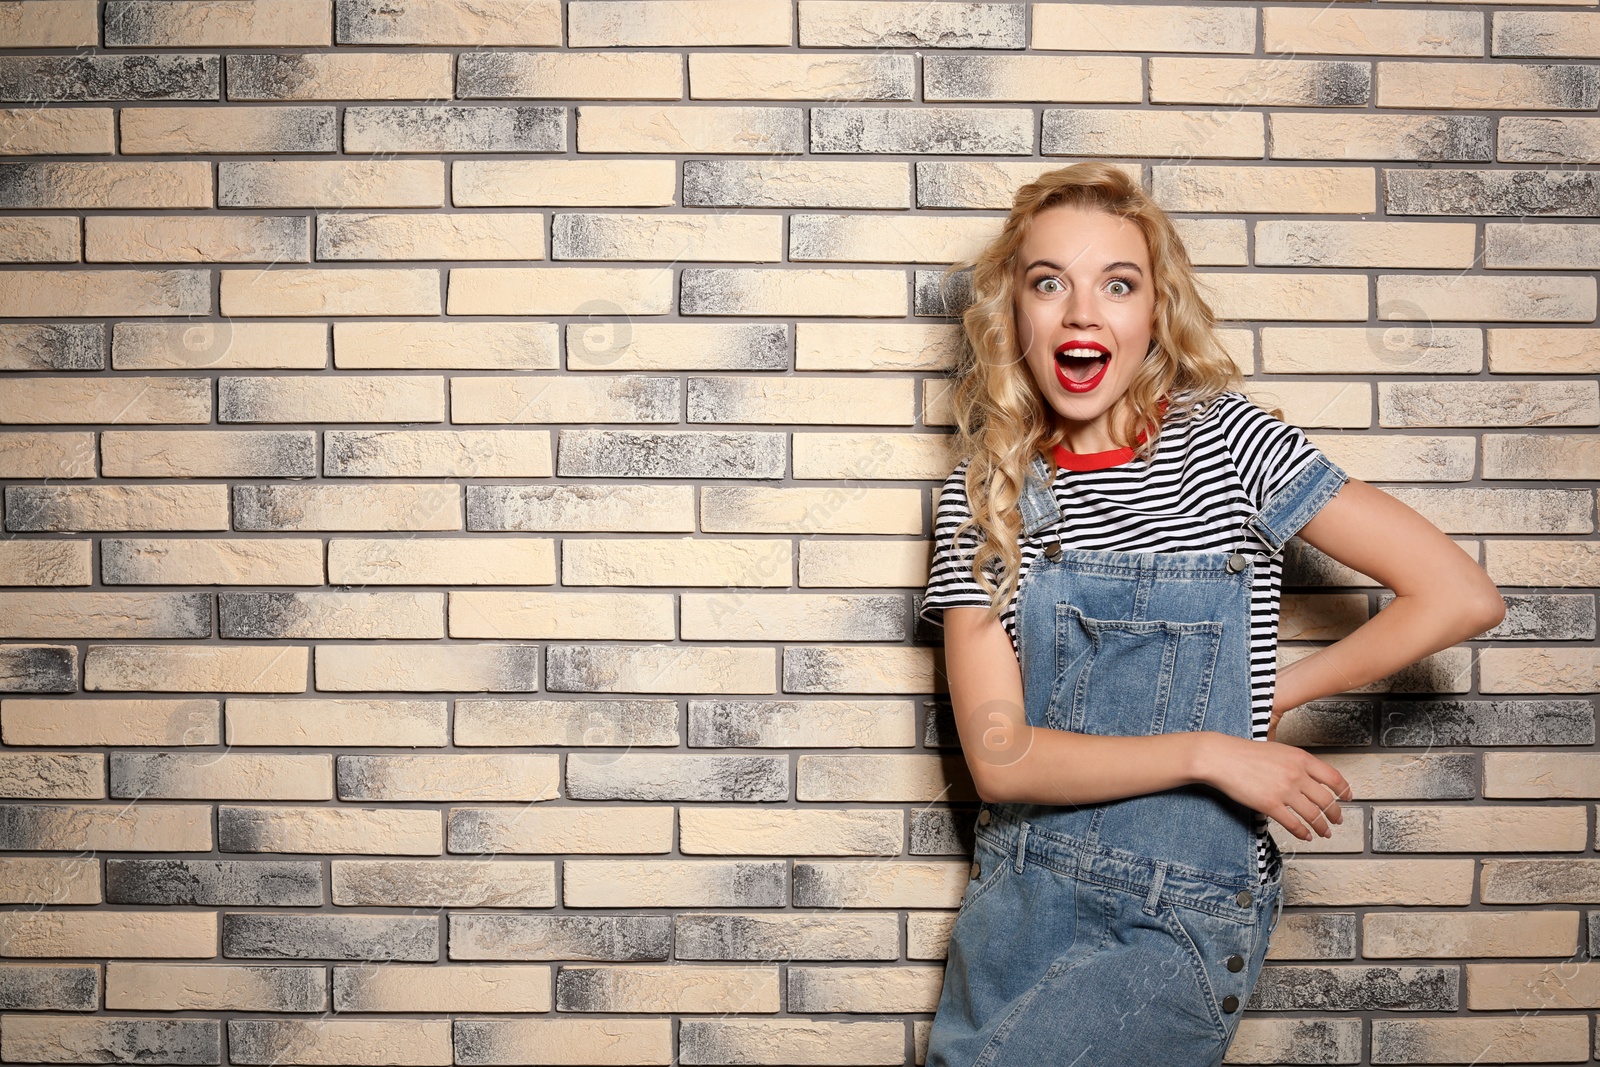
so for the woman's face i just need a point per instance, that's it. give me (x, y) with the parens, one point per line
(1085, 308)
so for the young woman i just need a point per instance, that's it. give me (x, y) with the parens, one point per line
(1107, 569)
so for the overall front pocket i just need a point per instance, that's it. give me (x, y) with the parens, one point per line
(1127, 678)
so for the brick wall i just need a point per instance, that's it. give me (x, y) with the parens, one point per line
(469, 473)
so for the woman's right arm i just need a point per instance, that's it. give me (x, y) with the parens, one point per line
(1012, 762)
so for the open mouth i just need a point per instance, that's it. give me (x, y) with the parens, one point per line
(1080, 365)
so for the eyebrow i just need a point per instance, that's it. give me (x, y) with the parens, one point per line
(1121, 264)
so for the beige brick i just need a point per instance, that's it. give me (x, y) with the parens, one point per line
(225, 345)
(52, 721)
(214, 130)
(196, 668)
(1545, 774)
(825, 669)
(125, 828)
(118, 614)
(563, 830)
(324, 1041)
(887, 24)
(870, 455)
(1550, 246)
(443, 561)
(53, 775)
(428, 669)
(56, 131)
(880, 884)
(447, 345)
(624, 345)
(319, 831)
(1308, 135)
(928, 934)
(817, 183)
(1314, 243)
(588, 508)
(200, 561)
(402, 615)
(207, 454)
(1447, 935)
(1549, 140)
(474, 236)
(336, 723)
(213, 987)
(44, 563)
(453, 776)
(1477, 298)
(794, 1041)
(514, 1041)
(618, 236)
(353, 76)
(166, 935)
(1378, 882)
(1543, 351)
(1215, 243)
(561, 616)
(1501, 828)
(558, 398)
(1145, 28)
(563, 183)
(1259, 82)
(686, 561)
(1371, 350)
(737, 832)
(776, 76)
(1539, 670)
(1546, 33)
(1537, 986)
(802, 723)
(574, 723)
(349, 398)
(330, 291)
(680, 987)
(223, 776)
(219, 23)
(576, 75)
(1348, 836)
(131, 184)
(875, 346)
(864, 989)
(476, 23)
(447, 987)
(1162, 134)
(1401, 457)
(41, 454)
(734, 616)
(673, 883)
(1321, 616)
(790, 400)
(663, 669)
(196, 239)
(1559, 457)
(736, 509)
(1263, 295)
(690, 128)
(60, 293)
(1547, 563)
(891, 778)
(437, 453)
(865, 564)
(341, 183)
(40, 880)
(641, 24)
(39, 239)
(50, 24)
(1265, 189)
(43, 346)
(107, 400)
(1313, 405)
(1315, 30)
(118, 507)
(1491, 403)
(1518, 86)
(1472, 510)
(1526, 1039)
(560, 291)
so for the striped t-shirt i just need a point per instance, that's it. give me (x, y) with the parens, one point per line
(1211, 470)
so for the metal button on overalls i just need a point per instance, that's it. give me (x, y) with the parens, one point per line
(1122, 933)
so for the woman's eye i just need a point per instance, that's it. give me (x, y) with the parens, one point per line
(1123, 291)
(1047, 280)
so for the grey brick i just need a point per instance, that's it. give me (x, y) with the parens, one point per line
(671, 454)
(617, 938)
(330, 937)
(562, 507)
(391, 615)
(943, 130)
(939, 292)
(939, 725)
(577, 723)
(1325, 935)
(1355, 989)
(533, 128)
(37, 668)
(779, 183)
(1491, 192)
(1326, 723)
(966, 25)
(110, 1039)
(56, 79)
(1550, 881)
(52, 346)
(941, 832)
(675, 777)
(1486, 722)
(1434, 403)
(25, 987)
(831, 936)
(211, 883)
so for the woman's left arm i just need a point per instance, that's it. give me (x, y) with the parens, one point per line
(1441, 595)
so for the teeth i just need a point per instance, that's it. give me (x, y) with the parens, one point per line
(1081, 353)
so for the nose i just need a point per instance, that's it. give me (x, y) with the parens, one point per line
(1077, 309)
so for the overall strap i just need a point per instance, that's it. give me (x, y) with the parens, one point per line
(1038, 504)
(1291, 507)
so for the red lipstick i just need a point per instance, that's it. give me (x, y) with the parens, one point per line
(1071, 385)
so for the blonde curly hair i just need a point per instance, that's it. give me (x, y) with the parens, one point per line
(1003, 420)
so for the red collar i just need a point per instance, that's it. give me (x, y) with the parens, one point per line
(1094, 461)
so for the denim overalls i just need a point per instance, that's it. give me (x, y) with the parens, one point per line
(1127, 932)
